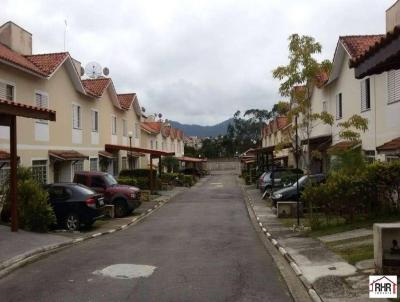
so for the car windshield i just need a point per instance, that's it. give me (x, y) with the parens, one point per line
(110, 180)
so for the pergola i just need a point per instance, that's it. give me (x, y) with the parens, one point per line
(9, 111)
(153, 154)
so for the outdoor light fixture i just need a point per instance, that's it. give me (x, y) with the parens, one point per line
(130, 134)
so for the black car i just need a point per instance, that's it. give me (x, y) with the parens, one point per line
(191, 171)
(75, 204)
(290, 193)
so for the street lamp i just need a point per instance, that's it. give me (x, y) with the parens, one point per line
(297, 171)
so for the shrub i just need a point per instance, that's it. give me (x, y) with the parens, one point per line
(127, 181)
(171, 163)
(169, 177)
(137, 173)
(34, 211)
(188, 180)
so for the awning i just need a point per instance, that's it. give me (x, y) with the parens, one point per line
(136, 154)
(319, 143)
(19, 109)
(106, 154)
(343, 146)
(112, 148)
(191, 159)
(381, 57)
(63, 155)
(392, 146)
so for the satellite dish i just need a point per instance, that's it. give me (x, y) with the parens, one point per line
(82, 71)
(93, 70)
(143, 109)
(159, 115)
(106, 71)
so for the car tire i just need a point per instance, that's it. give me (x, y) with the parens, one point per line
(120, 208)
(72, 222)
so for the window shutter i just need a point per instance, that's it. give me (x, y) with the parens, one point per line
(363, 96)
(3, 91)
(393, 79)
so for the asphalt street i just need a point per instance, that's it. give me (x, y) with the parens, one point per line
(201, 246)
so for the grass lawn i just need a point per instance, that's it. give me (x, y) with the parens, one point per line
(355, 254)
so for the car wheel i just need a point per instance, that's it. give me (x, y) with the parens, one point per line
(120, 208)
(72, 222)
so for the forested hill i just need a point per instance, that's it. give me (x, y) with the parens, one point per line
(202, 131)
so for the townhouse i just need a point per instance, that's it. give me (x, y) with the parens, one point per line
(95, 124)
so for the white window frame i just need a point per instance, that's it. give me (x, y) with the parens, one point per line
(124, 163)
(46, 166)
(393, 86)
(96, 121)
(41, 93)
(113, 124)
(124, 128)
(365, 94)
(79, 112)
(13, 84)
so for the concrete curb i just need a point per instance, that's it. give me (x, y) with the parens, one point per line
(16, 262)
(311, 291)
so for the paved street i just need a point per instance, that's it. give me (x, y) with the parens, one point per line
(201, 244)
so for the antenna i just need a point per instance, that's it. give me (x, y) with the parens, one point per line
(65, 33)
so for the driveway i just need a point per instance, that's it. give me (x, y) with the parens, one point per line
(201, 246)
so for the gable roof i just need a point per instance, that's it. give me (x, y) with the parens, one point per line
(48, 63)
(126, 100)
(96, 87)
(354, 47)
(151, 127)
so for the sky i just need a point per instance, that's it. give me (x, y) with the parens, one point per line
(196, 62)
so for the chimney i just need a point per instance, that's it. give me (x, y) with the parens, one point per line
(393, 16)
(16, 38)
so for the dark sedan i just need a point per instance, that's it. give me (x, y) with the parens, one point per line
(75, 205)
(290, 193)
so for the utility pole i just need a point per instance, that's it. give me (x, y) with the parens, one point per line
(297, 171)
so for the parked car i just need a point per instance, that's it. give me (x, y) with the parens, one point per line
(124, 198)
(289, 193)
(265, 181)
(191, 171)
(75, 205)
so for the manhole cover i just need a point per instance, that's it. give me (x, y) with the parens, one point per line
(126, 271)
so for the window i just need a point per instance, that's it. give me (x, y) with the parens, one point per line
(137, 130)
(365, 95)
(156, 145)
(124, 128)
(77, 166)
(324, 106)
(4, 172)
(95, 121)
(113, 125)
(7, 91)
(390, 158)
(97, 182)
(393, 80)
(42, 101)
(124, 163)
(369, 156)
(39, 171)
(151, 144)
(76, 116)
(94, 164)
(339, 108)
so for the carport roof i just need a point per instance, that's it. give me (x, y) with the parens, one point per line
(111, 148)
(67, 155)
(192, 159)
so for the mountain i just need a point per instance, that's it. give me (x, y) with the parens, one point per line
(197, 130)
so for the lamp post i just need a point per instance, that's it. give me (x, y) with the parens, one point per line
(297, 171)
(130, 135)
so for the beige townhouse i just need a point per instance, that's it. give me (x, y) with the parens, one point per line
(90, 114)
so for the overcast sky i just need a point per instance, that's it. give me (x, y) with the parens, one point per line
(193, 61)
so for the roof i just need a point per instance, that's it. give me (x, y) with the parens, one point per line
(106, 154)
(321, 78)
(356, 46)
(67, 155)
(152, 127)
(191, 159)
(4, 155)
(48, 63)
(28, 111)
(96, 87)
(343, 146)
(126, 99)
(282, 122)
(392, 145)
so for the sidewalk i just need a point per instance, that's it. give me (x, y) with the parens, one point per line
(22, 245)
(331, 277)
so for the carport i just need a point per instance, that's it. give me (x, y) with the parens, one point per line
(153, 154)
(9, 111)
(196, 162)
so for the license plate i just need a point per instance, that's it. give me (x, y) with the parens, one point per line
(101, 202)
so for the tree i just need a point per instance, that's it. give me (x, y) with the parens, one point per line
(298, 79)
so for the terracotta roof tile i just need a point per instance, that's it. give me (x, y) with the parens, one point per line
(67, 154)
(21, 105)
(321, 78)
(48, 63)
(126, 99)
(392, 145)
(342, 146)
(10, 56)
(96, 87)
(358, 45)
(4, 155)
(282, 122)
(153, 127)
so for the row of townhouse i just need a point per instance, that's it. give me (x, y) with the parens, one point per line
(340, 93)
(90, 114)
